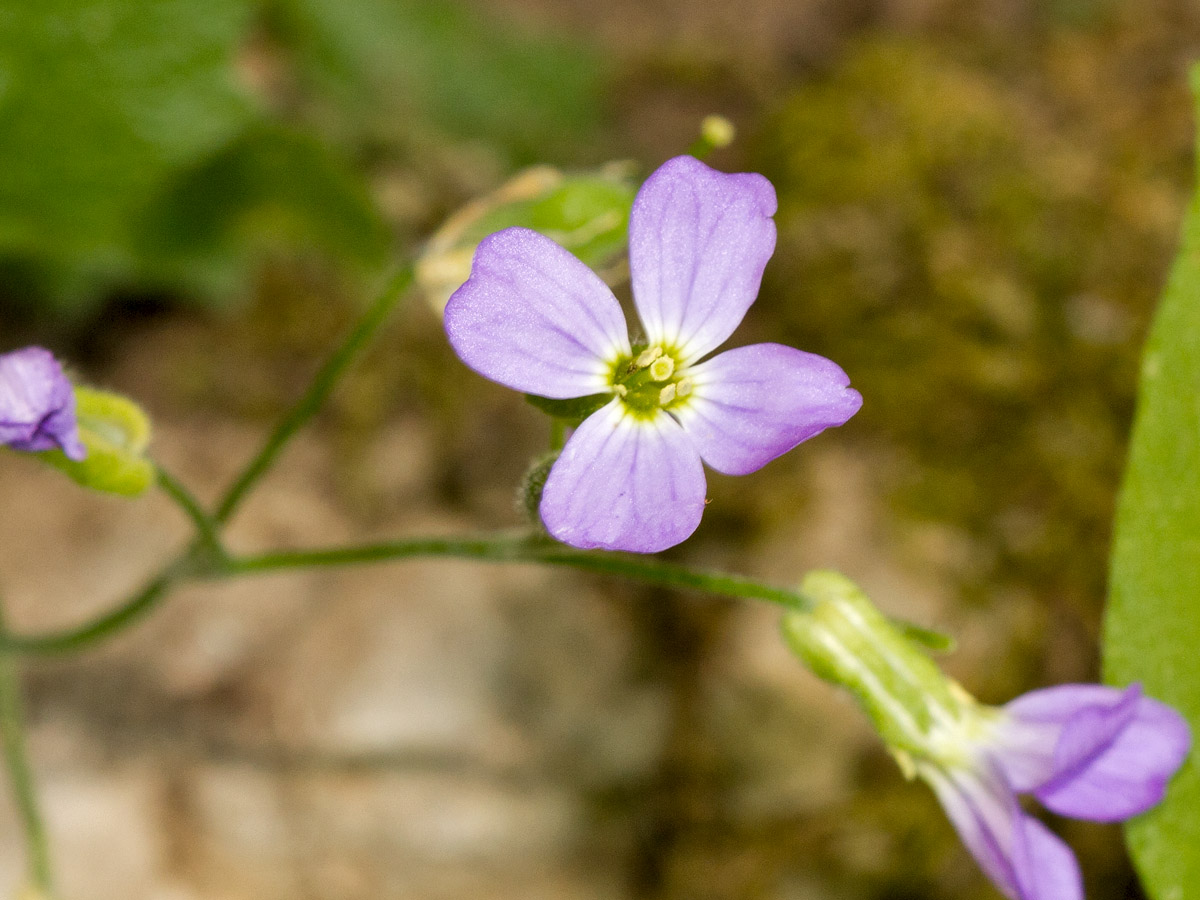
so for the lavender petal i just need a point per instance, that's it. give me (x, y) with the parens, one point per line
(37, 404)
(1045, 867)
(699, 240)
(1113, 760)
(1020, 855)
(535, 318)
(625, 484)
(752, 404)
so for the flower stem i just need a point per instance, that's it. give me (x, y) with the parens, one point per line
(16, 760)
(70, 639)
(524, 547)
(322, 384)
(207, 529)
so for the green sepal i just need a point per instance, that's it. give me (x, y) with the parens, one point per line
(929, 638)
(845, 640)
(529, 493)
(573, 410)
(115, 432)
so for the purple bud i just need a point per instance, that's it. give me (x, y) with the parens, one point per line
(37, 404)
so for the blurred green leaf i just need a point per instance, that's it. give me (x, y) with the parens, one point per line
(1152, 629)
(116, 433)
(271, 185)
(586, 212)
(100, 100)
(450, 65)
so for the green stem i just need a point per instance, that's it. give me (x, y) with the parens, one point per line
(73, 638)
(521, 547)
(206, 527)
(16, 759)
(518, 548)
(322, 384)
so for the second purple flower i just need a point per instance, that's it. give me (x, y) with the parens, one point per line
(535, 318)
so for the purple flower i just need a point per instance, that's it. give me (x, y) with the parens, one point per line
(37, 404)
(535, 318)
(1084, 751)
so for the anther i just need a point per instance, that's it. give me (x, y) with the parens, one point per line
(646, 357)
(666, 395)
(620, 390)
(684, 386)
(662, 368)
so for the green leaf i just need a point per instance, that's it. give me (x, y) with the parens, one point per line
(116, 433)
(1152, 627)
(100, 101)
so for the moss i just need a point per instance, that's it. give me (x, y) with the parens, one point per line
(974, 256)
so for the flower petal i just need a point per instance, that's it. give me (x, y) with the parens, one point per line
(1114, 751)
(37, 404)
(1023, 858)
(1045, 867)
(534, 318)
(752, 404)
(983, 811)
(699, 240)
(625, 484)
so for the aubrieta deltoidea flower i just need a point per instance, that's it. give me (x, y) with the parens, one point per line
(1083, 750)
(535, 318)
(37, 404)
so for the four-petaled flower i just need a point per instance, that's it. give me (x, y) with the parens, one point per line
(37, 404)
(535, 318)
(1085, 751)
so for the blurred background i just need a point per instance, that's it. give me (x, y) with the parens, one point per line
(979, 200)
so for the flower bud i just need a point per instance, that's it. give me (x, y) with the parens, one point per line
(115, 432)
(844, 639)
(586, 212)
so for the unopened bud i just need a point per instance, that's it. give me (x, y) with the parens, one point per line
(116, 433)
(717, 131)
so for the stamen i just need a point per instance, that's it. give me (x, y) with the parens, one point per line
(620, 390)
(666, 395)
(661, 368)
(646, 357)
(684, 386)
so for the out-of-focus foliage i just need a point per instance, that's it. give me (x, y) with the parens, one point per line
(101, 101)
(1152, 629)
(144, 149)
(985, 265)
(394, 64)
(271, 186)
